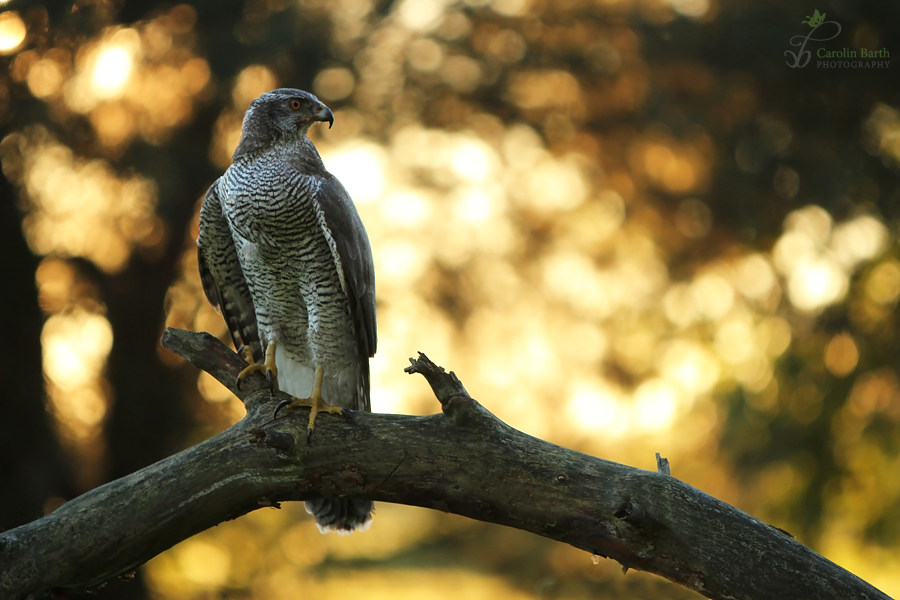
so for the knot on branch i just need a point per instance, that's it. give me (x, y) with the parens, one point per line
(631, 512)
(272, 439)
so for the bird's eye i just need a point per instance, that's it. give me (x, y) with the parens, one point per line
(295, 104)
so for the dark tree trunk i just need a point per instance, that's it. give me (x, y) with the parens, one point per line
(32, 469)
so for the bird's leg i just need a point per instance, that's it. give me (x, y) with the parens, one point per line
(268, 367)
(314, 402)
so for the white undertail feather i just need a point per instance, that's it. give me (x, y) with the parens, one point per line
(296, 379)
(293, 378)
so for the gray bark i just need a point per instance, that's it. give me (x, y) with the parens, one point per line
(462, 460)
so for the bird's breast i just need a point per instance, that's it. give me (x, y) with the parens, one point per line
(266, 205)
(289, 264)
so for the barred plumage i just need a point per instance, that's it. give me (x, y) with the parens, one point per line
(284, 255)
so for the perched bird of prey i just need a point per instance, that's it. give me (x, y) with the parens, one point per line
(284, 256)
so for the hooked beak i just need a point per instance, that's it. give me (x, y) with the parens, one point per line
(325, 115)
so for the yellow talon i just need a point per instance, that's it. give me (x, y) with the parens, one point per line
(268, 367)
(314, 403)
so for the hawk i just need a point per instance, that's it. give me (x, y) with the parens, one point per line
(284, 256)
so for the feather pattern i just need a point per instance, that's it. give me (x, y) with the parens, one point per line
(221, 276)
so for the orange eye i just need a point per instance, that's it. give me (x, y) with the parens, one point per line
(295, 104)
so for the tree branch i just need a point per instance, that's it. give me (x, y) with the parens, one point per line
(464, 461)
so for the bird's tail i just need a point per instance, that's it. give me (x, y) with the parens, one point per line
(343, 515)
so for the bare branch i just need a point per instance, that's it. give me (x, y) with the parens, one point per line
(464, 461)
(662, 464)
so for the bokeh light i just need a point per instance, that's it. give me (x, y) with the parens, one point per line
(129, 81)
(79, 207)
(360, 169)
(76, 340)
(12, 32)
(334, 84)
(841, 355)
(114, 63)
(250, 84)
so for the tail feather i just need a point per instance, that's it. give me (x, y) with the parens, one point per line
(343, 515)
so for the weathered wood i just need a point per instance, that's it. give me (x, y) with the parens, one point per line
(463, 460)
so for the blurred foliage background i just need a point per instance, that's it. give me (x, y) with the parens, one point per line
(627, 225)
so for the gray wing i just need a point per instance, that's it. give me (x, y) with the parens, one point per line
(221, 275)
(355, 253)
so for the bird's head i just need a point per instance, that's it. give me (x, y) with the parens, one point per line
(281, 113)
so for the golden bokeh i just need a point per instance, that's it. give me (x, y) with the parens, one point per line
(883, 128)
(250, 83)
(334, 84)
(12, 32)
(76, 206)
(45, 77)
(130, 81)
(76, 340)
(841, 355)
(527, 252)
(817, 257)
(883, 285)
